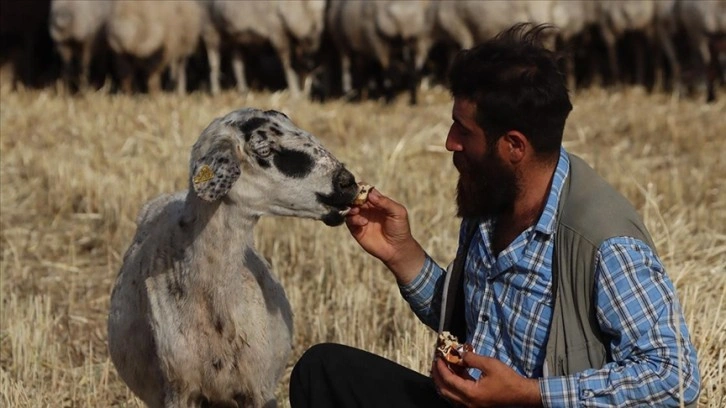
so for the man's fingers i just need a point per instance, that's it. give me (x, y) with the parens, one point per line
(448, 384)
(355, 221)
(475, 360)
(483, 363)
(390, 206)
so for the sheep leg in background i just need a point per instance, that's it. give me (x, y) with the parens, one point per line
(569, 60)
(181, 86)
(716, 45)
(66, 54)
(641, 45)
(293, 83)
(125, 72)
(420, 50)
(382, 54)
(705, 55)
(666, 45)
(214, 65)
(413, 72)
(307, 86)
(238, 67)
(211, 41)
(347, 81)
(85, 74)
(610, 42)
(179, 75)
(153, 82)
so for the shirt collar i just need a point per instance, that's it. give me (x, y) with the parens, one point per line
(547, 221)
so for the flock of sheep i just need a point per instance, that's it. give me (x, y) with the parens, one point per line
(386, 45)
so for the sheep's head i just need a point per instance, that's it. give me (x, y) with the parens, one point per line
(261, 160)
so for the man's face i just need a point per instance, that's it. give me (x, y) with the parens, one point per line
(487, 186)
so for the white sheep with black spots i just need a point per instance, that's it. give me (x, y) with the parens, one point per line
(196, 315)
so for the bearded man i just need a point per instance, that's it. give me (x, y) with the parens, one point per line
(556, 282)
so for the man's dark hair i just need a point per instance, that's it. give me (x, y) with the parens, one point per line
(516, 85)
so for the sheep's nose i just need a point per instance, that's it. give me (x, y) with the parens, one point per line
(343, 179)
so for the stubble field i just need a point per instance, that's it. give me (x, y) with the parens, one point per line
(75, 171)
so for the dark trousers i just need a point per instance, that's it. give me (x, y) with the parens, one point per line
(333, 375)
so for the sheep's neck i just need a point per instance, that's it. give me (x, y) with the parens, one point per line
(222, 221)
(222, 235)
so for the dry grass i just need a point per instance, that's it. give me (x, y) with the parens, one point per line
(74, 172)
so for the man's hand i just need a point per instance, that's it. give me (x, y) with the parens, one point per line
(498, 385)
(381, 227)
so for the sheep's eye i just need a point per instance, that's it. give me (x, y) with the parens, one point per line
(263, 151)
(260, 147)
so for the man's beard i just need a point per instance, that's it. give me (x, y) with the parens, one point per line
(486, 188)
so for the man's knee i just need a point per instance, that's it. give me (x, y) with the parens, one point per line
(314, 377)
(318, 357)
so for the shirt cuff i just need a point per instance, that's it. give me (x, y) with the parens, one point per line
(413, 292)
(559, 391)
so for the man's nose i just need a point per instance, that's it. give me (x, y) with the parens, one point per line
(452, 142)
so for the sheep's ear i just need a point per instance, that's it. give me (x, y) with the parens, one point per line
(215, 173)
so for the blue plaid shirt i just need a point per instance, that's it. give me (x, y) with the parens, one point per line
(509, 309)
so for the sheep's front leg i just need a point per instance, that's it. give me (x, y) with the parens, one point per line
(239, 70)
(347, 80)
(153, 82)
(86, 56)
(211, 41)
(181, 76)
(293, 83)
(125, 72)
(66, 54)
(214, 63)
(610, 42)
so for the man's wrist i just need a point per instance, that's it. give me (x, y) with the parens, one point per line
(531, 395)
(407, 263)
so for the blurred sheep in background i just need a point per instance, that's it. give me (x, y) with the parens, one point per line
(394, 34)
(148, 37)
(705, 25)
(77, 28)
(293, 29)
(355, 49)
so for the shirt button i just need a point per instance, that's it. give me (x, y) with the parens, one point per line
(587, 394)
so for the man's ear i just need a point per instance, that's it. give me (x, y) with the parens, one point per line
(216, 172)
(513, 146)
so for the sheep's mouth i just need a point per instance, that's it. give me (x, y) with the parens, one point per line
(340, 202)
(336, 214)
(334, 217)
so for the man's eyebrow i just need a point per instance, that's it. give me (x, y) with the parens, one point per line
(459, 122)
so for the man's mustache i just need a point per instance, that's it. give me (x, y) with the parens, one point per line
(460, 162)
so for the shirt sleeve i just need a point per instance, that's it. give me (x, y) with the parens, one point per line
(423, 293)
(653, 360)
